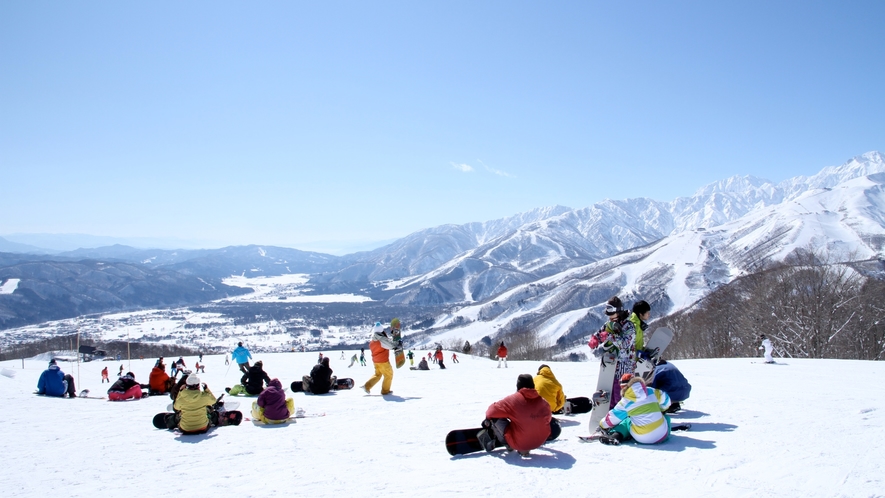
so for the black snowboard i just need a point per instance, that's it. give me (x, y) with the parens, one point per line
(343, 384)
(575, 406)
(166, 420)
(463, 441)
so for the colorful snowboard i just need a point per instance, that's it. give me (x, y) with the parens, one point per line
(343, 384)
(399, 353)
(464, 441)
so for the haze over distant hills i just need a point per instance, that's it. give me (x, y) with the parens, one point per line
(548, 267)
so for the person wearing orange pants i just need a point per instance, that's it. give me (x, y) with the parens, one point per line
(380, 345)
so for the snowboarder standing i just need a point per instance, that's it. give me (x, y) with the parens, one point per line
(521, 420)
(617, 336)
(362, 357)
(502, 355)
(438, 357)
(104, 375)
(241, 357)
(411, 356)
(380, 345)
(455, 358)
(766, 345)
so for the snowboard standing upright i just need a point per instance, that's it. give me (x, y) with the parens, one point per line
(398, 353)
(653, 349)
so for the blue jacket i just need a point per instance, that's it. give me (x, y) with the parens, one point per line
(52, 382)
(669, 379)
(241, 355)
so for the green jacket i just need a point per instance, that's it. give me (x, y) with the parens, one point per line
(637, 324)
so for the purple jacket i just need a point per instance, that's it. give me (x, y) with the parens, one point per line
(273, 400)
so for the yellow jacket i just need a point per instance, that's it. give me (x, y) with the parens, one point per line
(550, 389)
(192, 404)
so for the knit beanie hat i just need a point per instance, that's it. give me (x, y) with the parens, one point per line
(525, 380)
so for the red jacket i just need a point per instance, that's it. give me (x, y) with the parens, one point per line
(529, 416)
(502, 351)
(439, 355)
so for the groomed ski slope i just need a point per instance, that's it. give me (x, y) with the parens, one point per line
(807, 428)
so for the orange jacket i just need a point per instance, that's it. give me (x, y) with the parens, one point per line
(157, 379)
(380, 354)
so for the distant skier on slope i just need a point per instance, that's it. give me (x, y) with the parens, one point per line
(502, 354)
(241, 357)
(766, 345)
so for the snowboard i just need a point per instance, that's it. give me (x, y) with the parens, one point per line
(674, 428)
(574, 406)
(399, 353)
(464, 441)
(654, 348)
(343, 384)
(166, 420)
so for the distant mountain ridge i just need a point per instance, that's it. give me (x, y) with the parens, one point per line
(567, 260)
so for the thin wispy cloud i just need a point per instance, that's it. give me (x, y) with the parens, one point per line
(466, 168)
(495, 171)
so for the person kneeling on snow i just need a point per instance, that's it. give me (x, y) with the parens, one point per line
(272, 406)
(252, 382)
(638, 415)
(320, 380)
(666, 377)
(125, 388)
(521, 420)
(54, 382)
(193, 407)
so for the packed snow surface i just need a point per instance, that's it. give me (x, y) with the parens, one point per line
(799, 428)
(9, 286)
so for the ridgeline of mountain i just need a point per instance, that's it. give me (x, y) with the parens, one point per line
(51, 290)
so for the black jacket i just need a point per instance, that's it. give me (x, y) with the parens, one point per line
(321, 378)
(254, 380)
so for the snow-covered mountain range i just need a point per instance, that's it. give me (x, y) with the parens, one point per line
(551, 268)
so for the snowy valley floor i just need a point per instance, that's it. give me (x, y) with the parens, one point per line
(806, 428)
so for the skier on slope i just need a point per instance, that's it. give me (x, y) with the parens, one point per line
(241, 357)
(638, 415)
(766, 345)
(439, 357)
(502, 354)
(521, 420)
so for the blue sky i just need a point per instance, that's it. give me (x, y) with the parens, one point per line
(325, 125)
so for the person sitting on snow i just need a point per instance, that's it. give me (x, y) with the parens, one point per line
(638, 415)
(521, 420)
(193, 407)
(54, 382)
(125, 388)
(159, 381)
(422, 365)
(252, 382)
(273, 407)
(320, 380)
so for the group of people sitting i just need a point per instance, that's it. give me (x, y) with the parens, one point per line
(524, 420)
